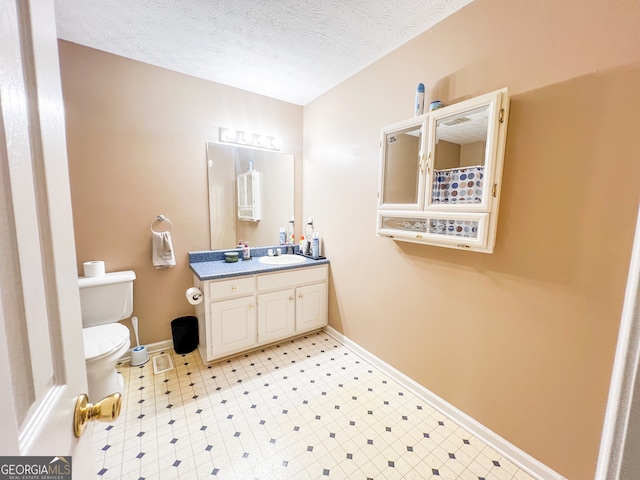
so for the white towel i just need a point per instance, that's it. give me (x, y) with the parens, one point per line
(162, 250)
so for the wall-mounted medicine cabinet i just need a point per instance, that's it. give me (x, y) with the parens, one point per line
(440, 175)
(249, 205)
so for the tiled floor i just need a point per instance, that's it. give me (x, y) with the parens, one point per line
(305, 409)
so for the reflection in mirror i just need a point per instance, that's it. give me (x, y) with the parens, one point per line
(401, 164)
(227, 164)
(461, 142)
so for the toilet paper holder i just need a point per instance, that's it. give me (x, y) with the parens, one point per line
(194, 295)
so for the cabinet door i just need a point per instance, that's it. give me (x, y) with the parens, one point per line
(402, 165)
(465, 153)
(276, 315)
(233, 326)
(311, 307)
(248, 186)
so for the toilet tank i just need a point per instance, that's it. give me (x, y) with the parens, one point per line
(107, 298)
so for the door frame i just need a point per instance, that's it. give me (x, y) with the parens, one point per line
(622, 394)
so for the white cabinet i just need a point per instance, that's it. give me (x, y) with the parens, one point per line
(233, 325)
(277, 314)
(311, 303)
(441, 172)
(245, 312)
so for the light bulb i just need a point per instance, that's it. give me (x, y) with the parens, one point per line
(276, 143)
(247, 137)
(229, 134)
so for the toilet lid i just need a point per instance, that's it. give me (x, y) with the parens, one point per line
(103, 339)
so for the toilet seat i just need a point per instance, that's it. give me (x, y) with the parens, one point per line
(103, 340)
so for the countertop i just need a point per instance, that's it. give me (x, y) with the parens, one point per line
(209, 266)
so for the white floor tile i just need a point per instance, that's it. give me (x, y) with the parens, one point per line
(308, 408)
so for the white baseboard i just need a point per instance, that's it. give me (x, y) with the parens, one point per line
(151, 348)
(521, 459)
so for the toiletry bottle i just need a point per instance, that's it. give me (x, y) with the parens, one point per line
(246, 253)
(283, 236)
(290, 232)
(315, 245)
(419, 103)
(307, 245)
(302, 245)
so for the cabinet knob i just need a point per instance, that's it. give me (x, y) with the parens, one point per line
(234, 288)
(251, 307)
(300, 296)
(291, 299)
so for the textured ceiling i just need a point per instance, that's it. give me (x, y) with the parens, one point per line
(292, 50)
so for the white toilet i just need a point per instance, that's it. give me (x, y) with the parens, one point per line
(104, 300)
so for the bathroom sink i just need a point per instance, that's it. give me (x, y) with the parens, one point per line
(282, 260)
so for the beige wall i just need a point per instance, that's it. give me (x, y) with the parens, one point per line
(136, 137)
(522, 340)
(447, 155)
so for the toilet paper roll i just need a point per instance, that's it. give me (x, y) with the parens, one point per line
(194, 295)
(95, 268)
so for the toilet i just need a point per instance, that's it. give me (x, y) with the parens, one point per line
(104, 300)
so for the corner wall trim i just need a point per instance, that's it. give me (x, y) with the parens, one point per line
(521, 459)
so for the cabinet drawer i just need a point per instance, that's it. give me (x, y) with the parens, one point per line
(272, 281)
(234, 287)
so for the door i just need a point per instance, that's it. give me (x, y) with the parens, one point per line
(311, 311)
(276, 315)
(465, 153)
(402, 165)
(42, 368)
(233, 326)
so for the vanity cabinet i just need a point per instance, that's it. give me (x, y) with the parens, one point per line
(246, 312)
(440, 175)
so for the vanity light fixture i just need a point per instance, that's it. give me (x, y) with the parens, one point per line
(248, 139)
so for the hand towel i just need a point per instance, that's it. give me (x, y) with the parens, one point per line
(162, 250)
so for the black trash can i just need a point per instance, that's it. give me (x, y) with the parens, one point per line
(185, 334)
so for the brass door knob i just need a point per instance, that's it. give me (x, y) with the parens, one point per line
(106, 410)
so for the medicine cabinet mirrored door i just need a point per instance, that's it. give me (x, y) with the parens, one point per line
(461, 175)
(248, 186)
(402, 172)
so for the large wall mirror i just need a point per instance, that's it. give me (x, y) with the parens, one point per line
(227, 164)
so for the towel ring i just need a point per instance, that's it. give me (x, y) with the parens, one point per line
(161, 218)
